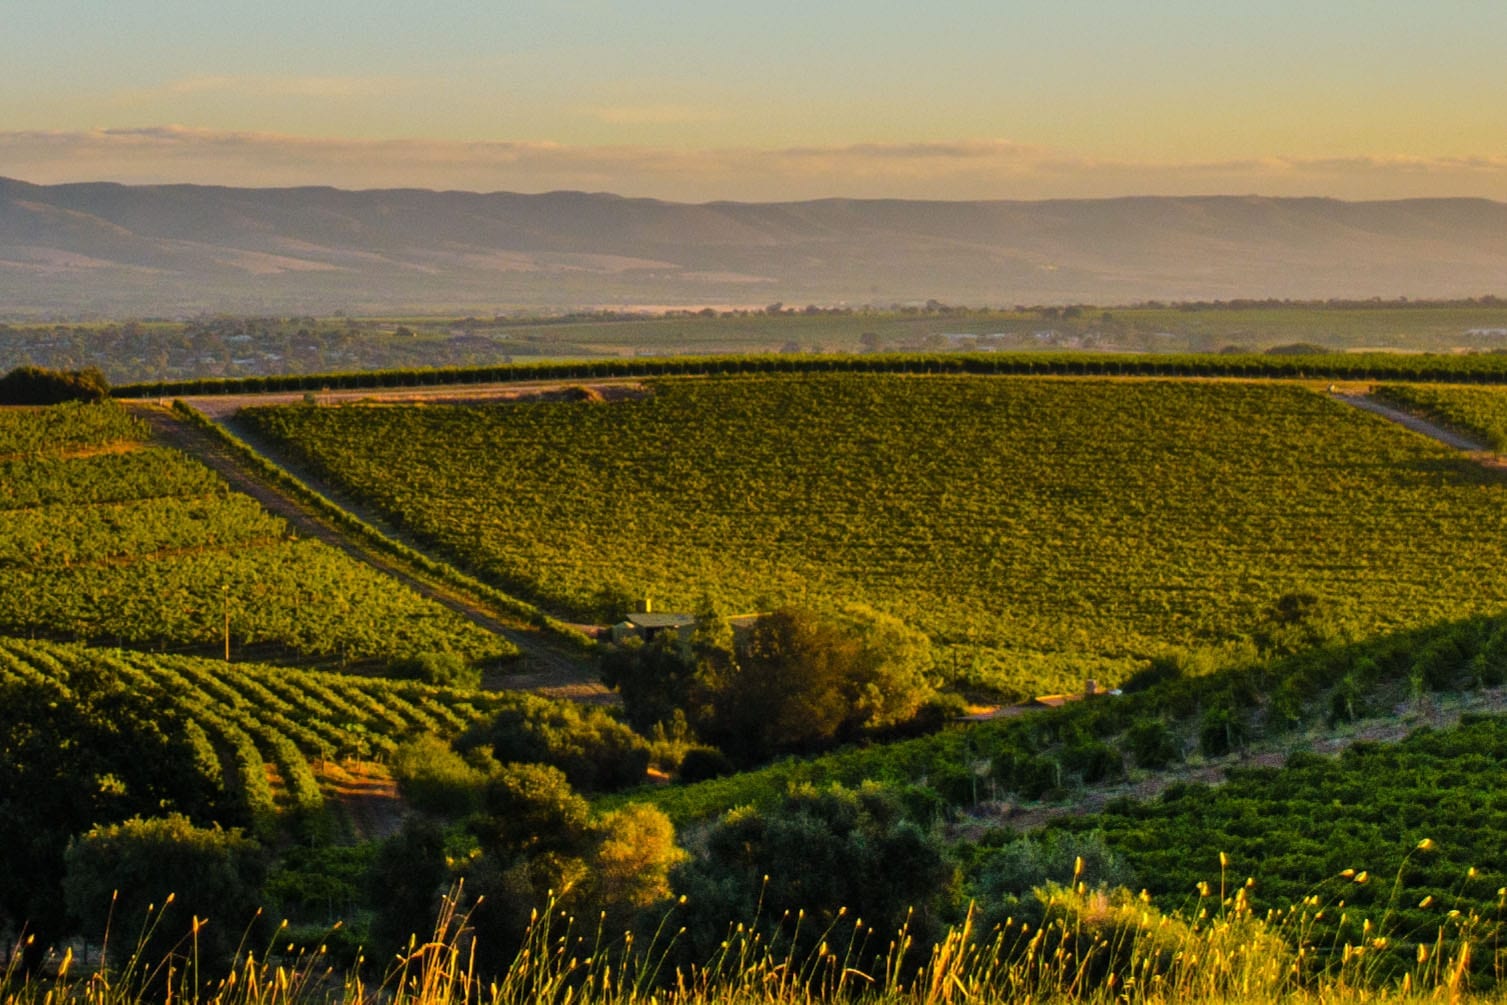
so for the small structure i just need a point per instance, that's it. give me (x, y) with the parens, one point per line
(647, 624)
(1090, 690)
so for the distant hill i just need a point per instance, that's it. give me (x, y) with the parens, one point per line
(158, 249)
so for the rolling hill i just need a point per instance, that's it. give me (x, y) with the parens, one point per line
(117, 249)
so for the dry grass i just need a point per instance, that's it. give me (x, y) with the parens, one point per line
(1092, 946)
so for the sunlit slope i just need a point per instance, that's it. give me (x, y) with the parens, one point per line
(1478, 412)
(107, 537)
(1042, 524)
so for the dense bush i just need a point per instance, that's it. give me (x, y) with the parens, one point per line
(160, 874)
(814, 863)
(595, 751)
(33, 385)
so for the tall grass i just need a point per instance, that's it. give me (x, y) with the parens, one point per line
(1091, 945)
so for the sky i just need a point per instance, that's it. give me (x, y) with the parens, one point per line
(767, 101)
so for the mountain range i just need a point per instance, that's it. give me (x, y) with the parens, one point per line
(110, 249)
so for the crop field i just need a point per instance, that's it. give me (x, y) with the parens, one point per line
(1038, 530)
(106, 537)
(1475, 411)
(1416, 821)
(246, 717)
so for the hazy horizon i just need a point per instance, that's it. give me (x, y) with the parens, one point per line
(766, 102)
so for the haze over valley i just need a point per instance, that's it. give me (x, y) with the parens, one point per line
(164, 250)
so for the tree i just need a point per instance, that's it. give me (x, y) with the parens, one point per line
(75, 754)
(799, 681)
(829, 854)
(168, 875)
(35, 385)
(596, 752)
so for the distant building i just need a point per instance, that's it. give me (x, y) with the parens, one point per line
(648, 624)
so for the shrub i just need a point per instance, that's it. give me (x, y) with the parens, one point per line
(118, 871)
(35, 385)
(594, 751)
(443, 668)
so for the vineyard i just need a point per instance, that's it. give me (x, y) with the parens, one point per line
(1475, 411)
(1169, 720)
(244, 718)
(1038, 530)
(1418, 819)
(106, 537)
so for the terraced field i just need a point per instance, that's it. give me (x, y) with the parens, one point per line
(1040, 530)
(107, 537)
(244, 718)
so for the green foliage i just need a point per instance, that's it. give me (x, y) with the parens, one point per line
(162, 873)
(35, 385)
(1413, 822)
(1041, 531)
(594, 751)
(1004, 871)
(435, 779)
(81, 747)
(105, 538)
(818, 859)
(444, 668)
(654, 679)
(406, 881)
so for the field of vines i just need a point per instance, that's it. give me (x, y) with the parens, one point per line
(1415, 823)
(1039, 530)
(1475, 411)
(1058, 754)
(106, 537)
(243, 718)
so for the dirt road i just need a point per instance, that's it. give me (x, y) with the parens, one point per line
(547, 666)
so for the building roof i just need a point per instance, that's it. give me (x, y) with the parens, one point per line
(657, 620)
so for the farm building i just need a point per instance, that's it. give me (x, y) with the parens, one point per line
(649, 624)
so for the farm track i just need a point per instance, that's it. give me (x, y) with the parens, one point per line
(1448, 437)
(1428, 713)
(546, 667)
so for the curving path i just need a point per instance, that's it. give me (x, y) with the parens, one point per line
(546, 666)
(1448, 437)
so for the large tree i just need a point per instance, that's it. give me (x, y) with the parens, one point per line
(78, 750)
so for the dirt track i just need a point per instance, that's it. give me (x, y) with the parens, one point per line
(547, 666)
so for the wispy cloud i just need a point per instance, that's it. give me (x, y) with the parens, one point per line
(965, 169)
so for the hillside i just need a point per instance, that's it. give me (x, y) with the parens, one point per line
(106, 248)
(107, 535)
(1041, 530)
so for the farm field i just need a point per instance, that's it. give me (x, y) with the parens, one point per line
(143, 351)
(1040, 531)
(1477, 412)
(107, 537)
(243, 718)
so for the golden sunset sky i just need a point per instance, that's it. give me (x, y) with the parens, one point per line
(774, 100)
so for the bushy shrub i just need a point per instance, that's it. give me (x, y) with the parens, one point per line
(594, 751)
(435, 779)
(443, 668)
(123, 873)
(35, 385)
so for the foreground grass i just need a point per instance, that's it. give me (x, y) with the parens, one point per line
(1089, 946)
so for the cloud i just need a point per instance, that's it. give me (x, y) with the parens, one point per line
(964, 169)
